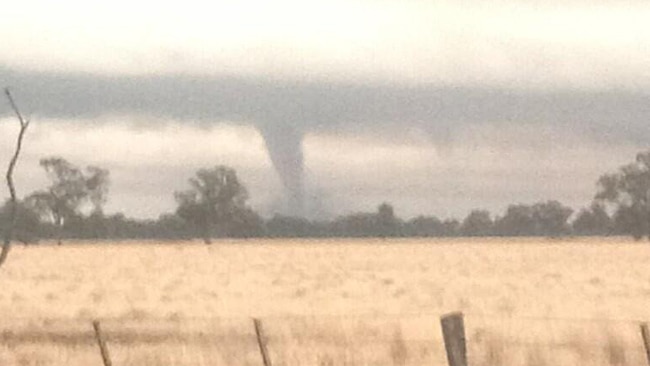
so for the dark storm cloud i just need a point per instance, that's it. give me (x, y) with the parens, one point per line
(284, 111)
(313, 106)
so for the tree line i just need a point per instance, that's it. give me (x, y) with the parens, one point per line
(214, 205)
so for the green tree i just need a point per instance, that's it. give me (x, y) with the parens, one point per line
(551, 218)
(477, 223)
(628, 190)
(541, 219)
(593, 221)
(360, 224)
(382, 223)
(27, 223)
(70, 188)
(215, 199)
(280, 226)
(518, 221)
(450, 227)
(246, 223)
(97, 181)
(386, 224)
(424, 226)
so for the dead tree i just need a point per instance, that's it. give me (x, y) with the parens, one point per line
(6, 246)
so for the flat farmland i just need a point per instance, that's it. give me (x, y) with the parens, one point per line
(327, 302)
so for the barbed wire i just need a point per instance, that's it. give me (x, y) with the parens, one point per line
(360, 316)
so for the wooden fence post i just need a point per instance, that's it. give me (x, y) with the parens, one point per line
(645, 334)
(453, 333)
(261, 341)
(102, 344)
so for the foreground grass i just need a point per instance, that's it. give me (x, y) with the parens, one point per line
(529, 302)
(320, 341)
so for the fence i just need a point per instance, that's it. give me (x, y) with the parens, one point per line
(254, 346)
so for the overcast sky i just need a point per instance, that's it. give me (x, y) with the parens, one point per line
(438, 107)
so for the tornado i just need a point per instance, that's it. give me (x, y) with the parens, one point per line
(284, 146)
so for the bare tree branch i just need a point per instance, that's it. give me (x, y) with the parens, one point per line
(6, 246)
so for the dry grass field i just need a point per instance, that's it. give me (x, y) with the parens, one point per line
(342, 302)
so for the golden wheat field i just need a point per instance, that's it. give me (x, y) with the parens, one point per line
(326, 302)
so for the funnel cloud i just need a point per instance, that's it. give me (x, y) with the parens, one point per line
(284, 111)
(284, 145)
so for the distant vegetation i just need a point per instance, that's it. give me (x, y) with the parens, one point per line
(214, 206)
(70, 188)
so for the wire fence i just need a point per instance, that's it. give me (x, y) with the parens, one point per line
(367, 339)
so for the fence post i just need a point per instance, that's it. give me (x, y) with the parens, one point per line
(453, 332)
(645, 334)
(102, 344)
(261, 341)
